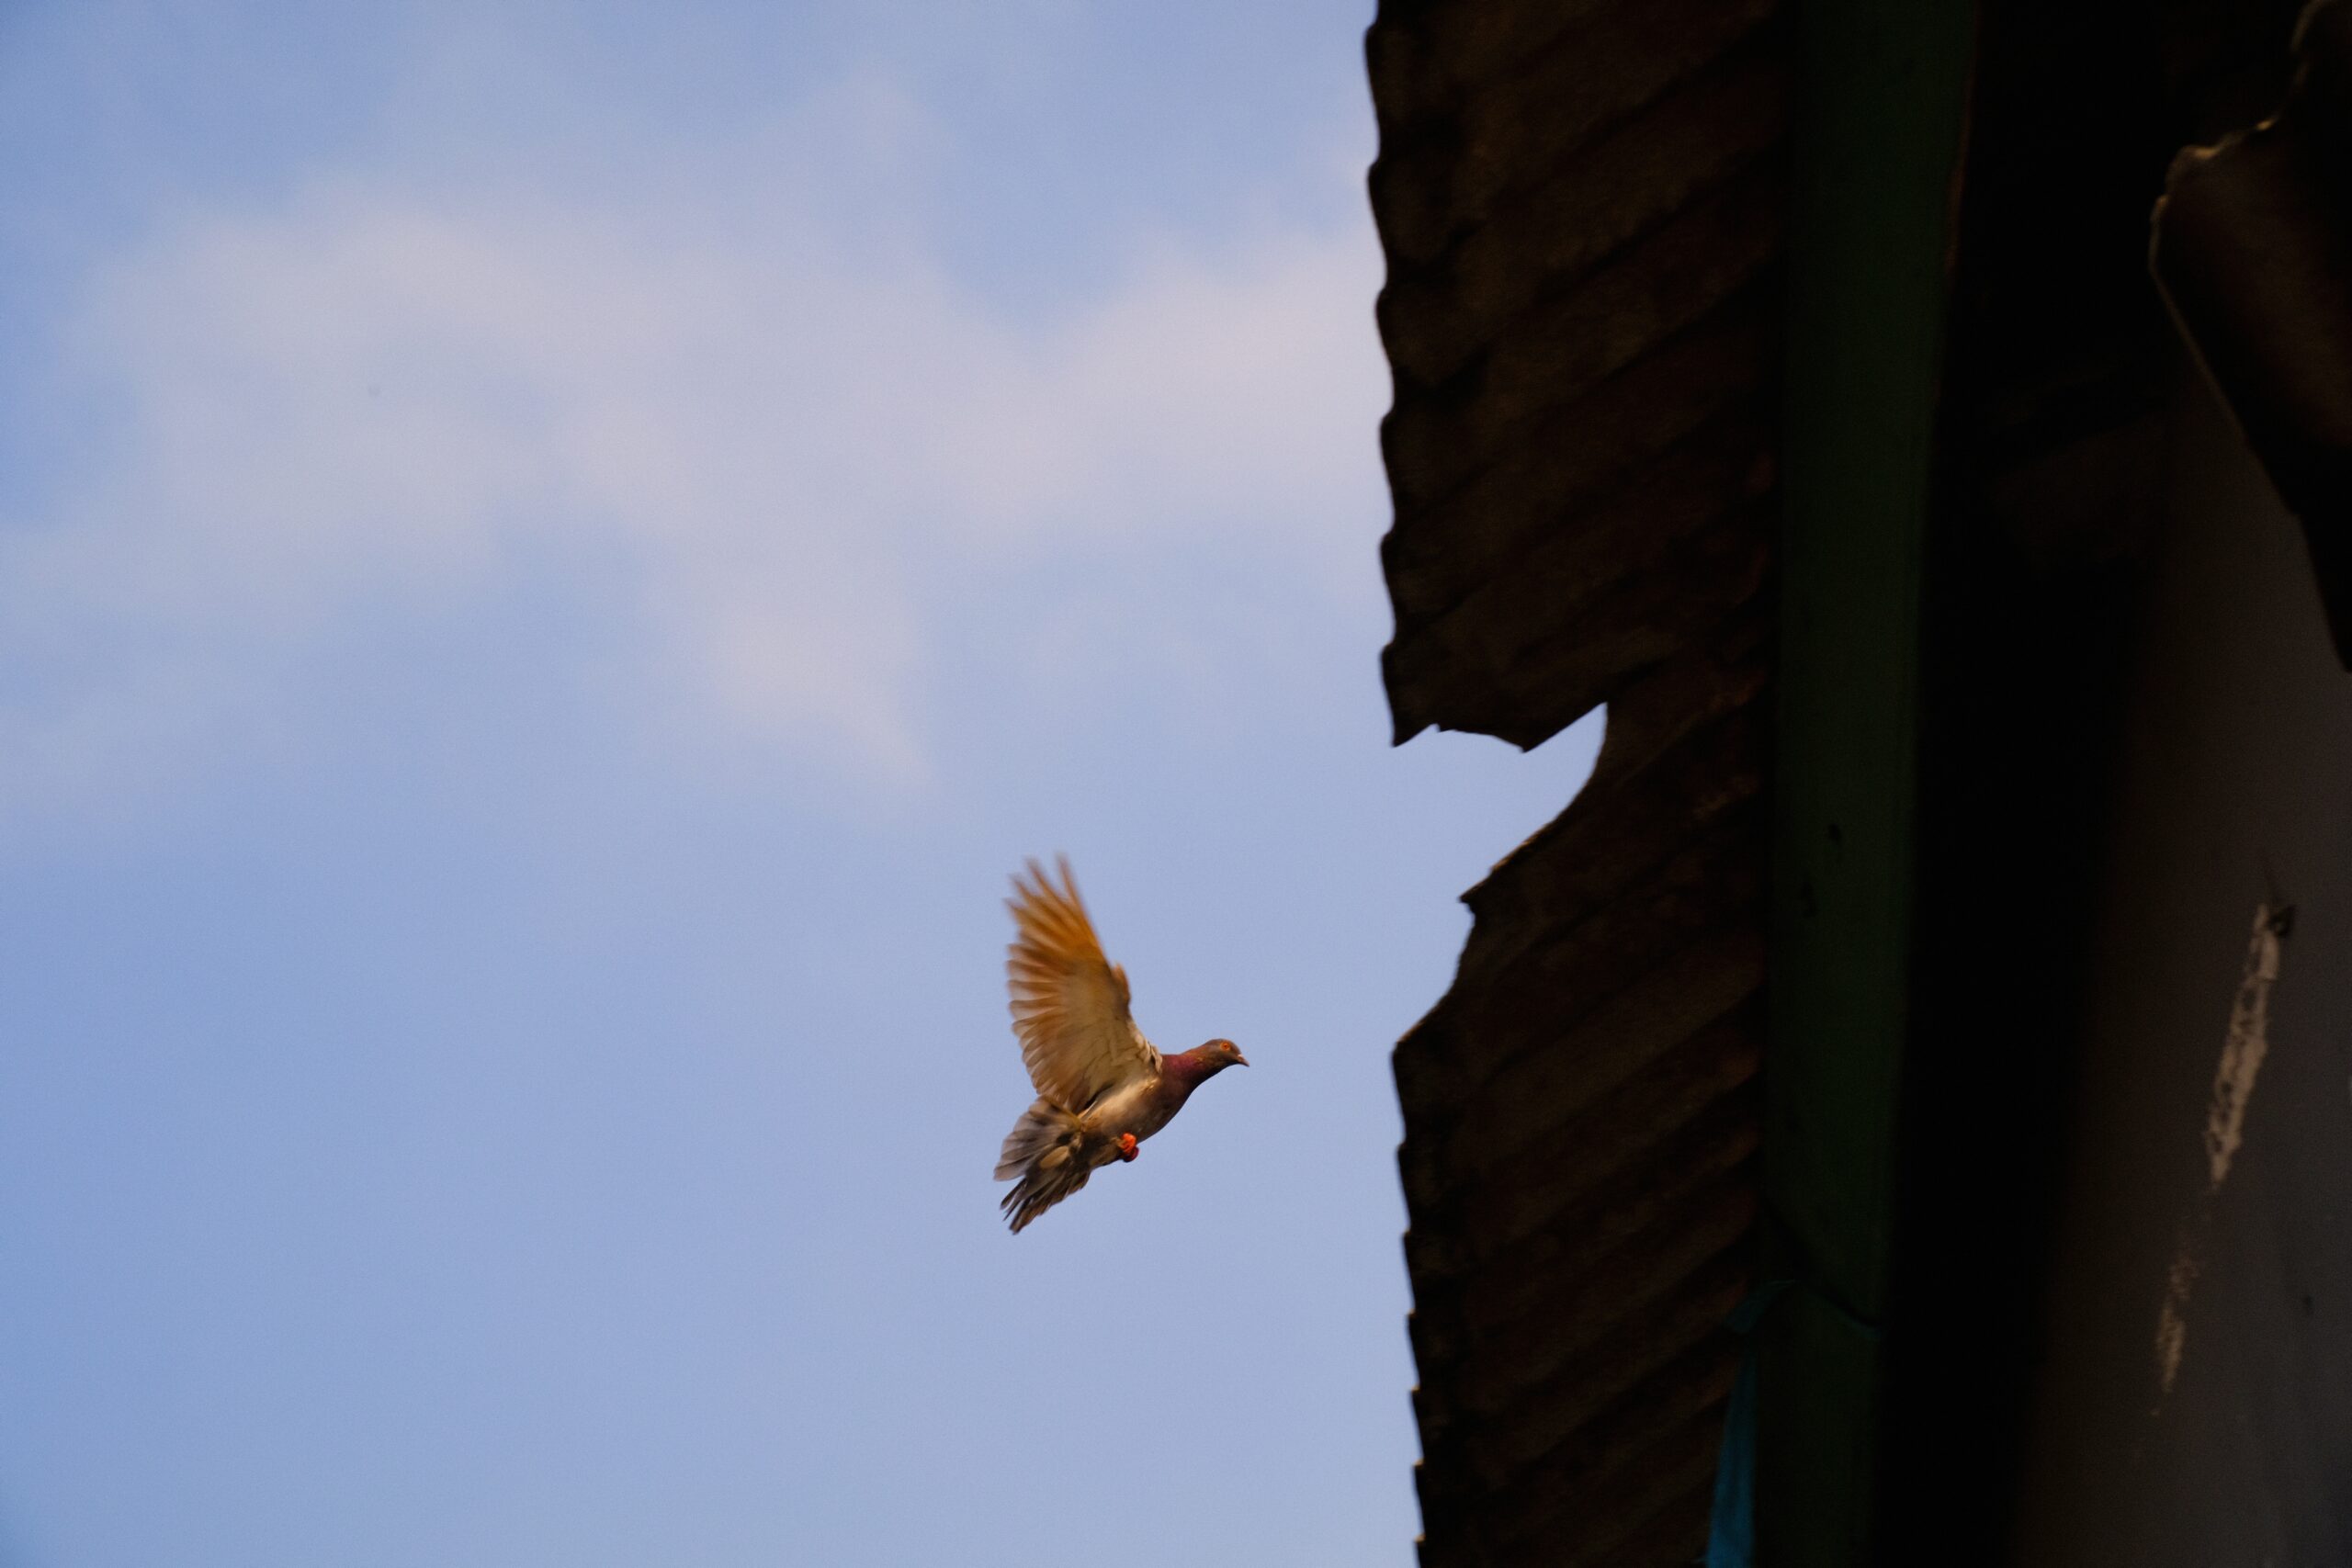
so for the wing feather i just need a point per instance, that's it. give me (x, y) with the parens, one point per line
(1069, 1002)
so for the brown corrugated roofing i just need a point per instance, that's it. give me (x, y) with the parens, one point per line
(1581, 206)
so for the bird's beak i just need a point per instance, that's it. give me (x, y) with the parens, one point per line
(1239, 1060)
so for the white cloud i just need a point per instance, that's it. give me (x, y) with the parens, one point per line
(375, 401)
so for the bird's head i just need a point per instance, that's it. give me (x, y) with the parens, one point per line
(1222, 1054)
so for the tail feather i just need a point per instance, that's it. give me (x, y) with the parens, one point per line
(1046, 1151)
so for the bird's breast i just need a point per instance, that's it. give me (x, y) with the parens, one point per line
(1140, 1107)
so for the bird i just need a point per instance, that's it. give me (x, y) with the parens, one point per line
(1101, 1087)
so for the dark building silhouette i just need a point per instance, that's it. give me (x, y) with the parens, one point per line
(1956, 933)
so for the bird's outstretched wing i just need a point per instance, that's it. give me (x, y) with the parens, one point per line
(1069, 1002)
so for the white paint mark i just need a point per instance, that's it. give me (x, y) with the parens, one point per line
(2245, 1044)
(2172, 1318)
(2244, 1047)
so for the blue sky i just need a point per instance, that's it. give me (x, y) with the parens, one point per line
(552, 559)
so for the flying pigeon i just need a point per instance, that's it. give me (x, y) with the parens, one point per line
(1101, 1090)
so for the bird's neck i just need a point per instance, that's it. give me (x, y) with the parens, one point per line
(1186, 1069)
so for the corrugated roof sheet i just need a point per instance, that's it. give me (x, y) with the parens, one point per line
(1581, 205)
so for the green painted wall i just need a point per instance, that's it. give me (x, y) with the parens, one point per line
(1883, 91)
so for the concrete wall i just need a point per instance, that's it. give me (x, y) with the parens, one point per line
(2193, 1401)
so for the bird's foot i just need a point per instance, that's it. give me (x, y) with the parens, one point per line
(1128, 1150)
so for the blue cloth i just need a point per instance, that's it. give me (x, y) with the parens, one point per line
(1731, 1530)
